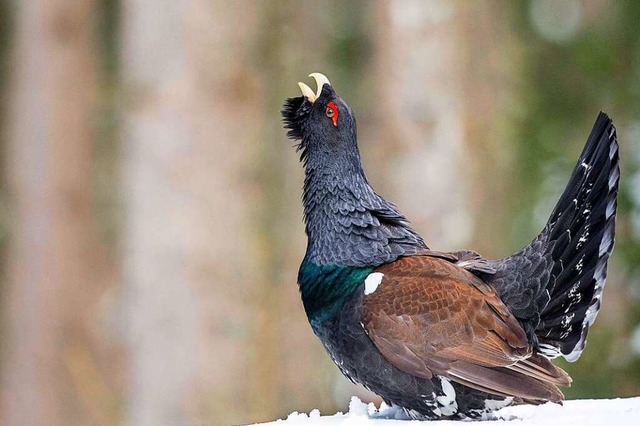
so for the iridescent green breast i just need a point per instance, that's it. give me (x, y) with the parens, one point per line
(325, 288)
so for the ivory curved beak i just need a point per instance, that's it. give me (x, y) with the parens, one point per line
(321, 80)
(306, 91)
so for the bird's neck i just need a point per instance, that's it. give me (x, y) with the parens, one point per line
(337, 202)
(347, 223)
(350, 229)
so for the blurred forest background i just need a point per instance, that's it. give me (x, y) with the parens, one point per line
(150, 214)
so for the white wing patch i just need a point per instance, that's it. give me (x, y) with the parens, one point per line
(372, 282)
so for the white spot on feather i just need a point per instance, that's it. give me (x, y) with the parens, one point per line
(372, 282)
(580, 264)
(493, 404)
(448, 400)
(566, 321)
(549, 351)
(583, 238)
(574, 295)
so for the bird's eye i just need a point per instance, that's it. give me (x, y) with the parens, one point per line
(332, 113)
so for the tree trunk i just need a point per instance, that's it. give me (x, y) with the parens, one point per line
(490, 66)
(54, 272)
(421, 118)
(188, 98)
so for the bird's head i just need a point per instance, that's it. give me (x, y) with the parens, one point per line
(322, 122)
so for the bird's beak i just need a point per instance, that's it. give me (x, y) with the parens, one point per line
(321, 80)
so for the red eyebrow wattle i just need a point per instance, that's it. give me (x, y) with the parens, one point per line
(336, 112)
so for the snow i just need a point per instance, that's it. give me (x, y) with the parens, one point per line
(587, 412)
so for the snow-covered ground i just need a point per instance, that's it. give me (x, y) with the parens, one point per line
(587, 412)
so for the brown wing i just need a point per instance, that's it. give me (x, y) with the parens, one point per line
(429, 317)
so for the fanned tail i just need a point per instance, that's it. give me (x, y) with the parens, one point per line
(554, 285)
(581, 234)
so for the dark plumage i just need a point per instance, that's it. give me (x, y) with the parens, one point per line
(445, 335)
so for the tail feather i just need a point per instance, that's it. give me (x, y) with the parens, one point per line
(581, 235)
(554, 285)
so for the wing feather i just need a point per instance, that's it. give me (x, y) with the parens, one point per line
(430, 317)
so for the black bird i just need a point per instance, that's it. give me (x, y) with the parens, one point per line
(445, 335)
